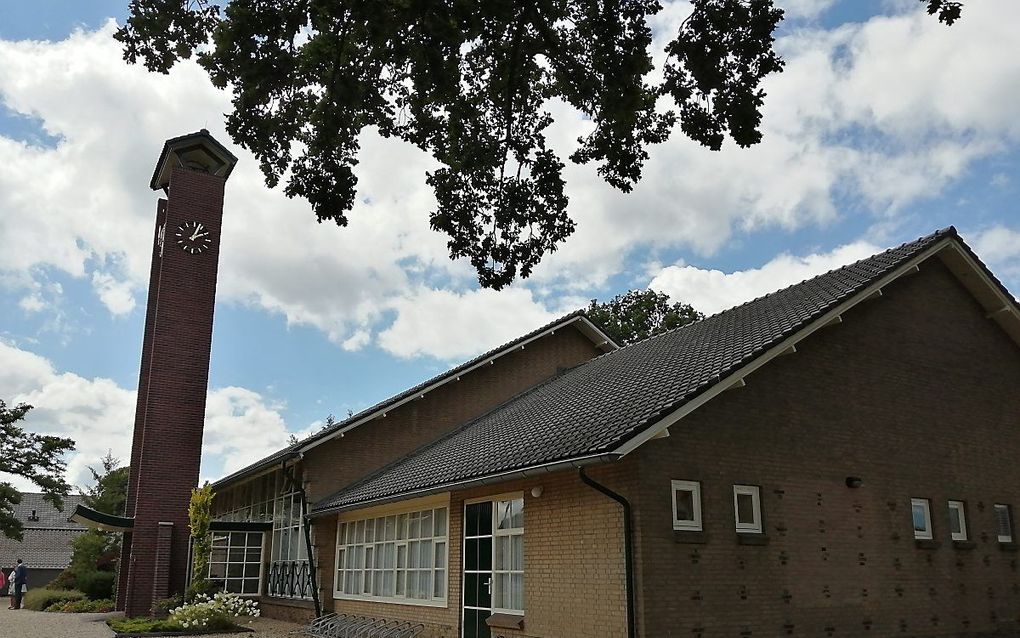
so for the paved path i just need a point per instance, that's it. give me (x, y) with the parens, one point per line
(22, 623)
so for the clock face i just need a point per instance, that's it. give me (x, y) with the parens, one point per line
(193, 237)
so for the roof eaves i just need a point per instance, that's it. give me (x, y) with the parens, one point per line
(486, 479)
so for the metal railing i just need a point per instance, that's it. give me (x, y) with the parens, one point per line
(290, 579)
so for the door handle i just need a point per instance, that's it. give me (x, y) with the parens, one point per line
(488, 585)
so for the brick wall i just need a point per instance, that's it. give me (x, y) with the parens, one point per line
(915, 392)
(573, 560)
(173, 379)
(341, 461)
(337, 463)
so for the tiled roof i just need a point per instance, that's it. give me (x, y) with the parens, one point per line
(397, 398)
(598, 406)
(42, 549)
(47, 541)
(48, 516)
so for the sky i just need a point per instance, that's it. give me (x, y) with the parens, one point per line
(884, 126)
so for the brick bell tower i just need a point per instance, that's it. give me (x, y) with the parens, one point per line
(170, 413)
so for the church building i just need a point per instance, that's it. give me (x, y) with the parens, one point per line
(837, 458)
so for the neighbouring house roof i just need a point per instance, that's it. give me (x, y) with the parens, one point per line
(603, 409)
(576, 319)
(47, 534)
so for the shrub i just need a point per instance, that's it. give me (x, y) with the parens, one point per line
(96, 585)
(40, 599)
(82, 606)
(141, 625)
(161, 608)
(65, 580)
(218, 612)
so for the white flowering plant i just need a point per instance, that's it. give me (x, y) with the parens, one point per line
(222, 611)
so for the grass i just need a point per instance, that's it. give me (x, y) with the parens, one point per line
(157, 626)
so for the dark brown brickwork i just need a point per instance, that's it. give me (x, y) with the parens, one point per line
(916, 393)
(339, 462)
(172, 390)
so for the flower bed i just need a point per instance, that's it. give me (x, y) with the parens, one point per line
(220, 614)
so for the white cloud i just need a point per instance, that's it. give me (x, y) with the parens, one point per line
(455, 326)
(711, 291)
(867, 119)
(115, 294)
(241, 425)
(999, 247)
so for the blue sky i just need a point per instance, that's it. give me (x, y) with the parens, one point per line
(881, 129)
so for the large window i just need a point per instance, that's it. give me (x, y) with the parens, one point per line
(235, 562)
(400, 557)
(508, 549)
(687, 505)
(273, 497)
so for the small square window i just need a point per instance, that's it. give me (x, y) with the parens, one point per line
(1004, 523)
(957, 521)
(747, 508)
(920, 513)
(687, 505)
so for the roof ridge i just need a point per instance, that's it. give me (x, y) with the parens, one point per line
(949, 231)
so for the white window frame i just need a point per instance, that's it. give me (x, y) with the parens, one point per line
(926, 534)
(754, 527)
(510, 532)
(694, 487)
(961, 510)
(403, 510)
(1002, 507)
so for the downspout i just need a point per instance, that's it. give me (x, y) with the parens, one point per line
(306, 524)
(627, 544)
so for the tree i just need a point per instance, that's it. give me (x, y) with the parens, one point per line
(469, 81)
(108, 492)
(200, 515)
(95, 550)
(639, 314)
(36, 457)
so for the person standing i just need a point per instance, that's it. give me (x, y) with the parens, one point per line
(19, 580)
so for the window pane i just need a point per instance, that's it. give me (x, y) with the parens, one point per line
(426, 524)
(391, 527)
(684, 505)
(516, 592)
(402, 526)
(501, 590)
(502, 552)
(745, 508)
(439, 584)
(440, 555)
(517, 513)
(954, 520)
(503, 515)
(440, 522)
(920, 525)
(517, 563)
